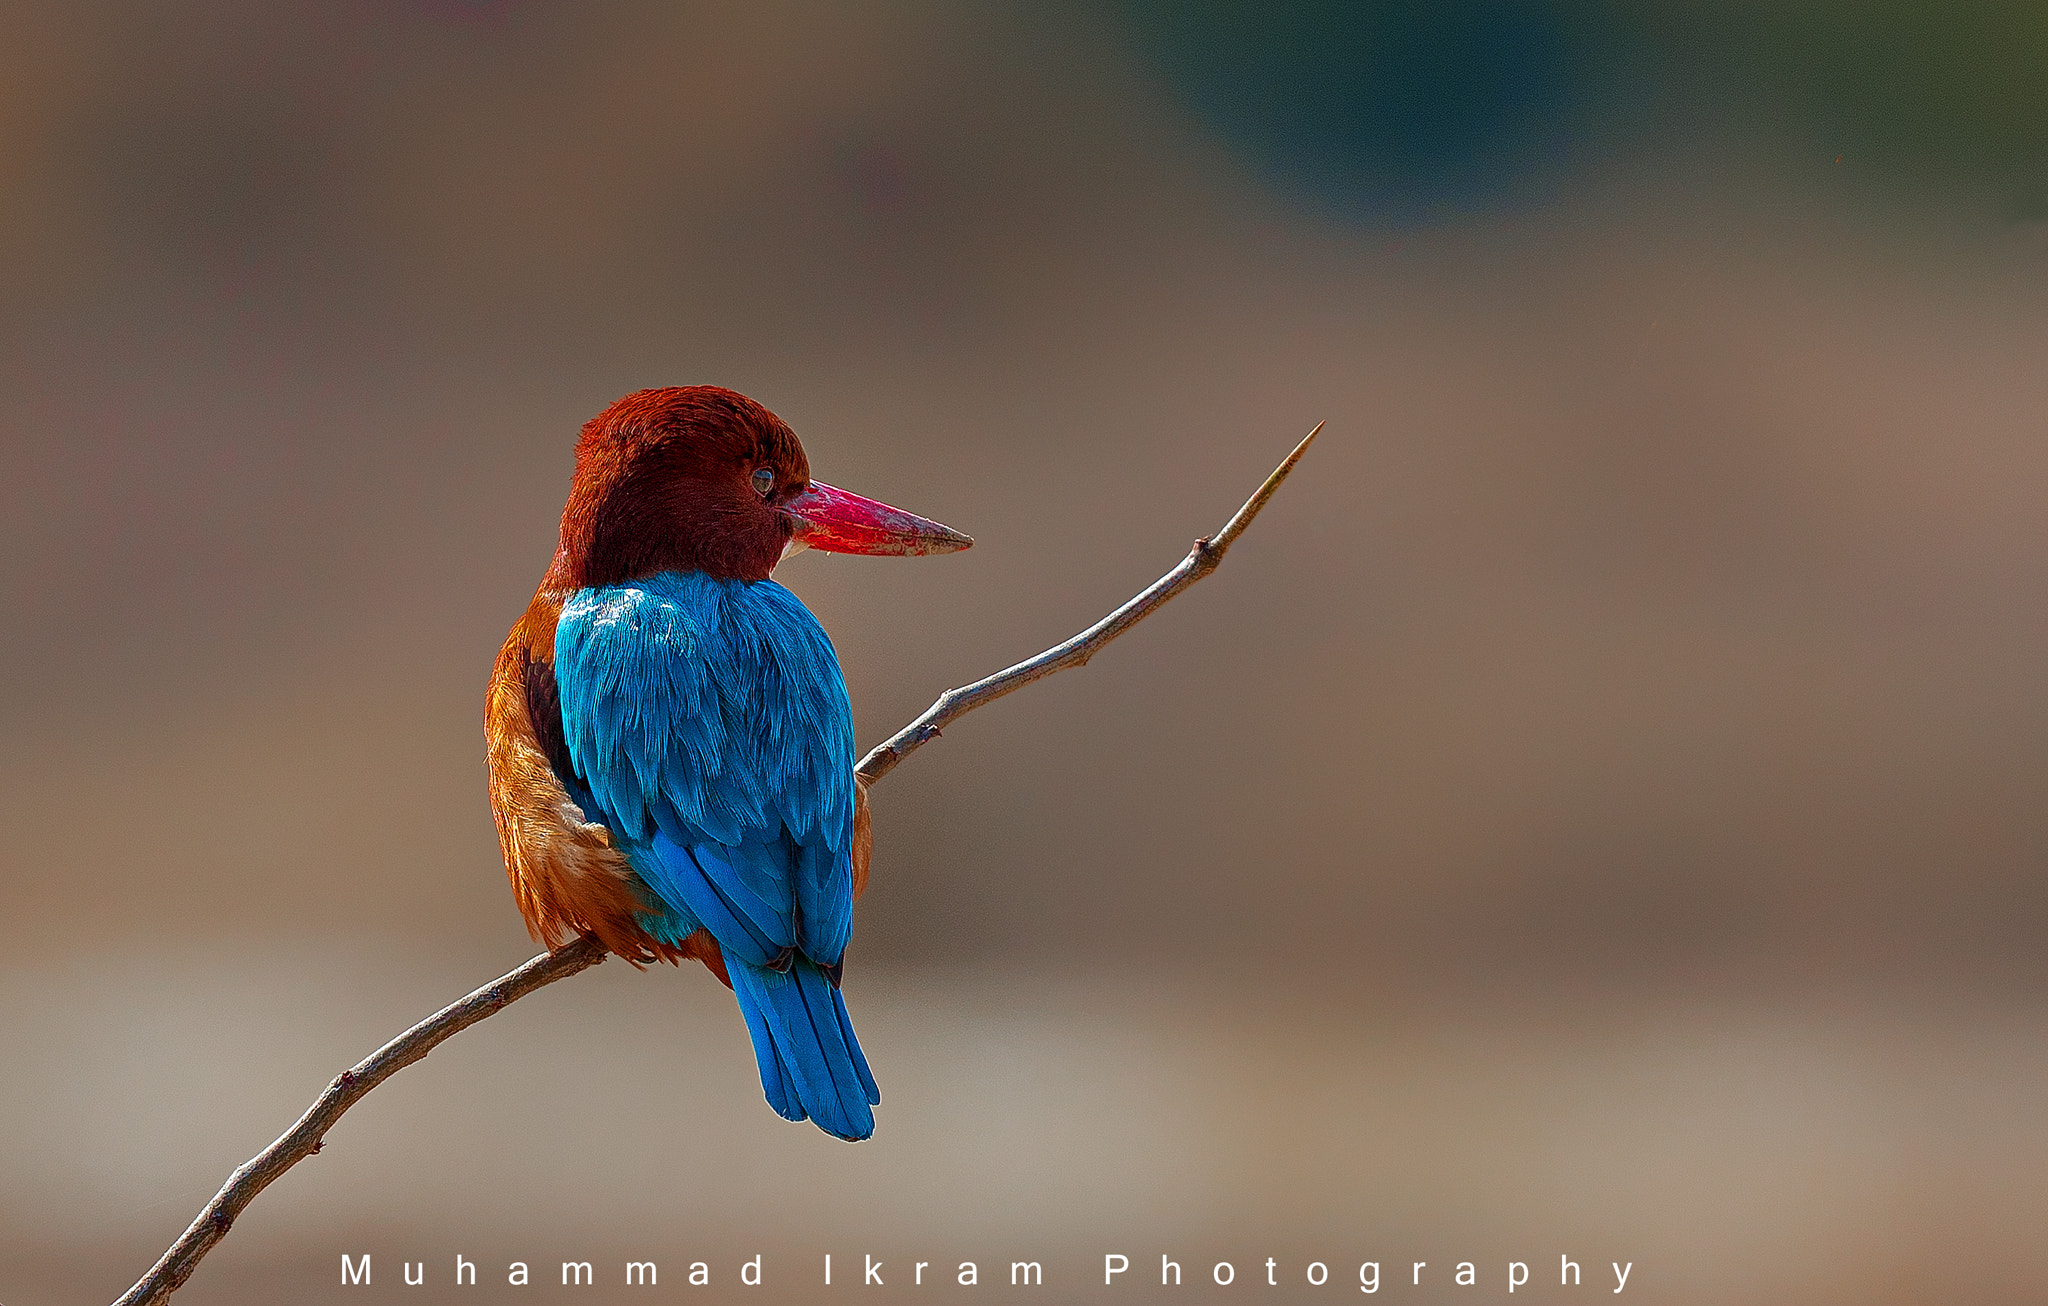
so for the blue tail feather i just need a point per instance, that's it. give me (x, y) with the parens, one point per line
(776, 1083)
(860, 1060)
(810, 1062)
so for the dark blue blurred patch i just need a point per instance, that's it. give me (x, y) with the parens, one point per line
(1392, 111)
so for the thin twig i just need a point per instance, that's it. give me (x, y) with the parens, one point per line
(956, 703)
(303, 1139)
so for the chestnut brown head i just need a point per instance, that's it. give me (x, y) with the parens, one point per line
(699, 478)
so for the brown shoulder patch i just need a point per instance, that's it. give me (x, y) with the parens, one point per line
(565, 874)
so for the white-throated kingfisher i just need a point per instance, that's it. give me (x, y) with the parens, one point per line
(668, 734)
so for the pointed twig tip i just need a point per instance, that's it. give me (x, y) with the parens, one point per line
(1235, 527)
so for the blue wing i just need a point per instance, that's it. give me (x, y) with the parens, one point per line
(709, 724)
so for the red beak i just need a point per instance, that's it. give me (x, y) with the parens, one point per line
(833, 521)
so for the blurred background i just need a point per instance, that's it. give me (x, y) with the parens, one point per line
(1596, 811)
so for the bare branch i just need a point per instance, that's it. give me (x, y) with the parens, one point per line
(303, 1139)
(956, 703)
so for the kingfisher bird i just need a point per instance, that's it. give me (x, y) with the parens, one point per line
(668, 736)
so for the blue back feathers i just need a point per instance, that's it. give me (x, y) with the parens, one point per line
(708, 725)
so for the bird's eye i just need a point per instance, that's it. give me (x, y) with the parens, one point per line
(764, 481)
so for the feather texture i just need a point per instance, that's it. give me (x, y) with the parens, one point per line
(667, 732)
(707, 723)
